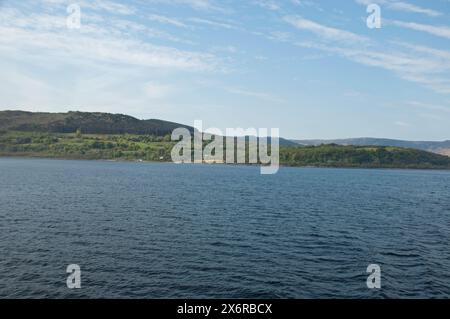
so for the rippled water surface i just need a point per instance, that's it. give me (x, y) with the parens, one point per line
(141, 230)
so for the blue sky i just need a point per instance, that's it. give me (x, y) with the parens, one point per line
(311, 68)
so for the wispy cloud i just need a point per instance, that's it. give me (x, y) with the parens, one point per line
(408, 7)
(202, 5)
(268, 4)
(439, 31)
(402, 6)
(402, 124)
(426, 66)
(109, 6)
(253, 94)
(328, 33)
(48, 34)
(167, 20)
(213, 23)
(199, 4)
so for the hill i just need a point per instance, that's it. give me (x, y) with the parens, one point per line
(333, 155)
(89, 123)
(442, 148)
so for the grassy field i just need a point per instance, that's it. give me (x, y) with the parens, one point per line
(86, 146)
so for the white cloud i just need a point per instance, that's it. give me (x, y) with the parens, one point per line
(408, 7)
(322, 31)
(212, 23)
(96, 5)
(267, 4)
(402, 124)
(202, 5)
(47, 35)
(167, 20)
(440, 31)
(401, 6)
(444, 56)
(198, 4)
(427, 68)
(253, 94)
(110, 64)
(109, 6)
(423, 65)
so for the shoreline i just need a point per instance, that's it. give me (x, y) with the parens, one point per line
(137, 161)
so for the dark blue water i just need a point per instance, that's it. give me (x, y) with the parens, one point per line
(142, 230)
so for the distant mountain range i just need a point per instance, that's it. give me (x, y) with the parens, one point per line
(442, 148)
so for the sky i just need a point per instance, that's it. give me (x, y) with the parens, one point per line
(313, 69)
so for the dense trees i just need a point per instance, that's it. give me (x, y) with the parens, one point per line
(158, 148)
(333, 155)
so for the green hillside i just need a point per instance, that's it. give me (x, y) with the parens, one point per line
(158, 148)
(333, 155)
(442, 147)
